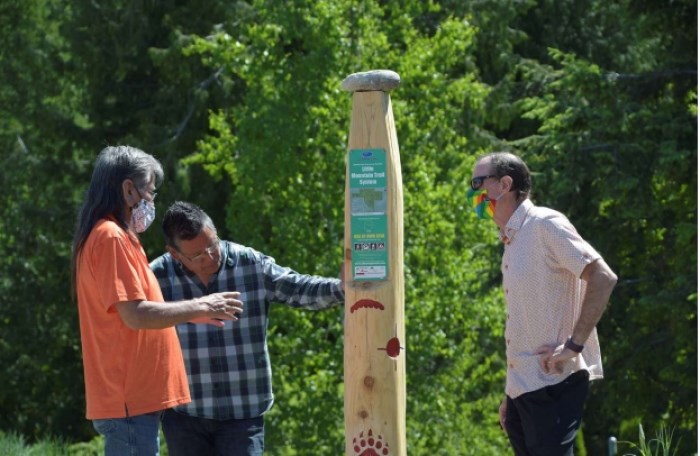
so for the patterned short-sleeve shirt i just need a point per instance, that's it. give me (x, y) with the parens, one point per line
(542, 263)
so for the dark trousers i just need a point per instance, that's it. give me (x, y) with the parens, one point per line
(188, 435)
(544, 422)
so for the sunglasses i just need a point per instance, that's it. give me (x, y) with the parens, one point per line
(478, 181)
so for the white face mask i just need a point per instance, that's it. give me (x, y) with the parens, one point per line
(142, 215)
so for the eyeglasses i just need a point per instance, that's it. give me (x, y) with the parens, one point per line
(478, 181)
(151, 193)
(210, 251)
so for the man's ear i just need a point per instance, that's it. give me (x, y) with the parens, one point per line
(506, 183)
(173, 253)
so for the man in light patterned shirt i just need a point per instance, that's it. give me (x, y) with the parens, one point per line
(228, 367)
(556, 288)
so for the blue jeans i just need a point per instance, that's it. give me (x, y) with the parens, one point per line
(190, 435)
(131, 436)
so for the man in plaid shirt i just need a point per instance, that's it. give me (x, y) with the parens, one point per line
(227, 363)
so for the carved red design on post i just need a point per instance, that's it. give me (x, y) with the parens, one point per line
(369, 446)
(366, 303)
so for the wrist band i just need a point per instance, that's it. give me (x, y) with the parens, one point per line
(571, 345)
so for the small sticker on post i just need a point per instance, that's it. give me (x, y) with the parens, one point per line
(370, 272)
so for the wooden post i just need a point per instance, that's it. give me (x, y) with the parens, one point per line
(375, 357)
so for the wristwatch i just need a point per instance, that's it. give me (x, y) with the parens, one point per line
(573, 346)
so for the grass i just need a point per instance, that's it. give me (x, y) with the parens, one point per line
(661, 445)
(15, 445)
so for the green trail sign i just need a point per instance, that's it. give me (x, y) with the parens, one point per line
(368, 217)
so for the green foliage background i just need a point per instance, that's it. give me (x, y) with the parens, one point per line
(241, 101)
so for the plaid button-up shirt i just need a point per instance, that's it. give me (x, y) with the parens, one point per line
(229, 368)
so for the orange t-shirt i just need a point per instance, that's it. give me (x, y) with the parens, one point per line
(127, 372)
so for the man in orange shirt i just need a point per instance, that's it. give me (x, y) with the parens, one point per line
(132, 360)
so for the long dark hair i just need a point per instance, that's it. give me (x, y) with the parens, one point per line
(104, 197)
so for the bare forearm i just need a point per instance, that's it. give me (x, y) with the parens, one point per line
(158, 315)
(600, 281)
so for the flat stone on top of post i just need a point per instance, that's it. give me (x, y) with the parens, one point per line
(384, 80)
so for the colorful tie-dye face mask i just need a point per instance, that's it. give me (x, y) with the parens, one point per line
(480, 202)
